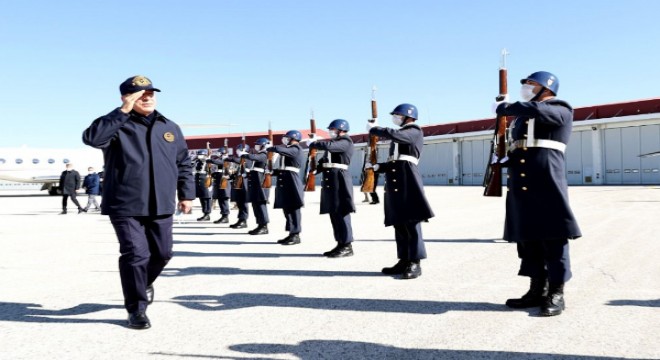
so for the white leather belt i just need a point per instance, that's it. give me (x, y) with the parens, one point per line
(292, 169)
(541, 143)
(337, 166)
(257, 170)
(408, 158)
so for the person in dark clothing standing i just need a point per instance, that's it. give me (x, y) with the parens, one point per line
(92, 186)
(147, 167)
(538, 215)
(289, 193)
(201, 191)
(70, 183)
(240, 195)
(255, 178)
(220, 175)
(337, 185)
(405, 202)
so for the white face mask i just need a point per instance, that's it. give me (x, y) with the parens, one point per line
(285, 140)
(257, 147)
(333, 134)
(527, 92)
(397, 120)
(200, 156)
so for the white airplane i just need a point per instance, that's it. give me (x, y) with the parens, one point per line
(20, 166)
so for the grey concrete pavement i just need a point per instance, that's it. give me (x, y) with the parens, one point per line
(228, 295)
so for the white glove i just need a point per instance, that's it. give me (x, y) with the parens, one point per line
(240, 153)
(497, 103)
(309, 141)
(371, 125)
(368, 165)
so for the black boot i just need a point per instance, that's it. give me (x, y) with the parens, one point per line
(538, 289)
(397, 269)
(292, 239)
(223, 220)
(341, 251)
(206, 217)
(81, 210)
(240, 224)
(261, 229)
(554, 302)
(412, 271)
(63, 212)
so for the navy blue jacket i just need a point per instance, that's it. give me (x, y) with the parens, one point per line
(69, 182)
(92, 184)
(289, 193)
(405, 201)
(337, 184)
(256, 178)
(240, 195)
(537, 206)
(146, 163)
(201, 191)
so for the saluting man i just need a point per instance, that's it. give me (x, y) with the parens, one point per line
(147, 167)
(240, 196)
(255, 178)
(405, 202)
(201, 191)
(289, 194)
(337, 185)
(538, 215)
(222, 195)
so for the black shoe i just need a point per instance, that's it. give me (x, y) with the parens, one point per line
(282, 241)
(223, 220)
(292, 240)
(412, 271)
(240, 224)
(63, 212)
(81, 210)
(397, 269)
(259, 230)
(206, 217)
(332, 251)
(553, 304)
(150, 293)
(374, 202)
(138, 320)
(538, 290)
(342, 251)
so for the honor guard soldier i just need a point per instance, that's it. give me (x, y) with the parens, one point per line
(289, 194)
(405, 202)
(257, 194)
(201, 191)
(240, 196)
(337, 185)
(220, 175)
(147, 167)
(538, 215)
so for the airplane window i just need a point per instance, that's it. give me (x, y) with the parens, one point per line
(19, 161)
(2, 161)
(51, 161)
(66, 161)
(35, 161)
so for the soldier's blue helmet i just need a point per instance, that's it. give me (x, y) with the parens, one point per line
(407, 110)
(294, 134)
(545, 79)
(222, 150)
(261, 141)
(240, 147)
(202, 152)
(339, 124)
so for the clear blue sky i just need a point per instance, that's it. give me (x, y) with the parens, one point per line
(250, 62)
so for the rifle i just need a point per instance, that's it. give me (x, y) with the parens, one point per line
(493, 177)
(268, 176)
(310, 180)
(371, 155)
(225, 170)
(209, 171)
(238, 183)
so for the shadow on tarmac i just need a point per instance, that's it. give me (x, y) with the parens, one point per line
(645, 303)
(189, 271)
(251, 255)
(467, 241)
(197, 242)
(27, 312)
(248, 300)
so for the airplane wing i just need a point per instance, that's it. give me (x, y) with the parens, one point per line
(655, 153)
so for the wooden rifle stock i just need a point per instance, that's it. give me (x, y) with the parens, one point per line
(369, 175)
(238, 183)
(310, 180)
(209, 171)
(225, 171)
(493, 176)
(268, 176)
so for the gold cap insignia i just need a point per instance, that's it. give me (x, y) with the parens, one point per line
(169, 137)
(140, 81)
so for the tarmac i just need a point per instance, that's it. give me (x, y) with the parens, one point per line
(229, 295)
